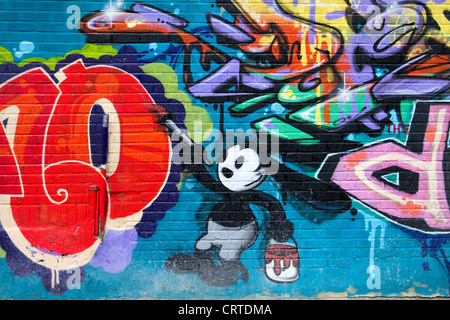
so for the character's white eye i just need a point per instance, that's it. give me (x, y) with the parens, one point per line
(241, 169)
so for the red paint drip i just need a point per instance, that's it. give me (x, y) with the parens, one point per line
(281, 252)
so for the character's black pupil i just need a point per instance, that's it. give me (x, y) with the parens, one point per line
(227, 173)
(239, 162)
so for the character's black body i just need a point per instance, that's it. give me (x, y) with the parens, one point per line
(231, 225)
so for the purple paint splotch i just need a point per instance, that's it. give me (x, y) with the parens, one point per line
(114, 254)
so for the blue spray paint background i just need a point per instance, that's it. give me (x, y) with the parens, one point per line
(335, 250)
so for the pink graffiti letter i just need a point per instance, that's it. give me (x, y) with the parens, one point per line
(420, 191)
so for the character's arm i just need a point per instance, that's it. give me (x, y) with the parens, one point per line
(194, 166)
(279, 227)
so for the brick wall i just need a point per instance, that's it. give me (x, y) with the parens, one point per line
(224, 150)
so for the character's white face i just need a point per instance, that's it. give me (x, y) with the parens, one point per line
(241, 170)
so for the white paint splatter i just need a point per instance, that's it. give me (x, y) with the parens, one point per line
(374, 279)
(24, 47)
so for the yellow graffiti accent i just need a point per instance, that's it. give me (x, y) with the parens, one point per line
(132, 22)
(288, 93)
(321, 8)
(318, 117)
(255, 10)
(438, 15)
(266, 40)
(5, 55)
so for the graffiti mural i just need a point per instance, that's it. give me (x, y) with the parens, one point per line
(286, 148)
(55, 133)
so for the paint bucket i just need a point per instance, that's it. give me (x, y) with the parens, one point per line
(281, 261)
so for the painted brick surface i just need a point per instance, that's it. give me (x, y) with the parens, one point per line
(224, 150)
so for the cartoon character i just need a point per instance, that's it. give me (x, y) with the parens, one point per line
(231, 225)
